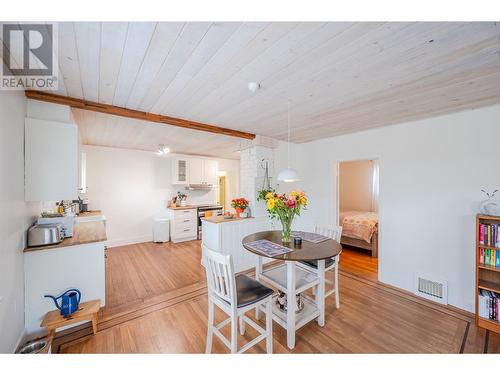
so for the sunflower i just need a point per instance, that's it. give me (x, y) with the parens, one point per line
(269, 195)
(271, 203)
(302, 200)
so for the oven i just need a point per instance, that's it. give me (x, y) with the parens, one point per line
(212, 210)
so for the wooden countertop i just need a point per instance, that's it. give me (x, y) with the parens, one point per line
(83, 233)
(220, 219)
(183, 208)
(89, 213)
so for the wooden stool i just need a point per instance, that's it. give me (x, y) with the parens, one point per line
(86, 311)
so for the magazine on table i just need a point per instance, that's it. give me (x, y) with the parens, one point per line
(268, 248)
(310, 237)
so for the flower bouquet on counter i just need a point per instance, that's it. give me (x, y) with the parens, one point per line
(239, 205)
(285, 207)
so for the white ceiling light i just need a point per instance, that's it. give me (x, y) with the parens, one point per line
(288, 174)
(253, 86)
(162, 150)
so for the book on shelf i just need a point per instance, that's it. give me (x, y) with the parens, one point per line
(489, 234)
(488, 303)
(489, 257)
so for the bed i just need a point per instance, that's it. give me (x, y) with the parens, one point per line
(360, 229)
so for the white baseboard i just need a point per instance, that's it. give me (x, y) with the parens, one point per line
(129, 241)
(19, 340)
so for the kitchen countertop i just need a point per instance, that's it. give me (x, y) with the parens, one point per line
(220, 219)
(83, 233)
(89, 213)
(190, 207)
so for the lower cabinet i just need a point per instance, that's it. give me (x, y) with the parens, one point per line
(54, 270)
(183, 225)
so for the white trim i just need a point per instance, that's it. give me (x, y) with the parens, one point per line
(129, 241)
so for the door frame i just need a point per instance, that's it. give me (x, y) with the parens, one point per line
(336, 167)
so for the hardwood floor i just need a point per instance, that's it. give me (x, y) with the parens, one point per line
(139, 275)
(359, 262)
(168, 313)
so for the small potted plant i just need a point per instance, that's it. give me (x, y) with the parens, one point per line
(239, 205)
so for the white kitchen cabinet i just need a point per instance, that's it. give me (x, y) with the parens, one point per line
(180, 171)
(183, 224)
(51, 160)
(210, 168)
(53, 270)
(203, 171)
(196, 171)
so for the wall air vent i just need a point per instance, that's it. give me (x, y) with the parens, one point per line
(432, 289)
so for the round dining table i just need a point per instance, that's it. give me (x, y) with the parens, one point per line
(292, 279)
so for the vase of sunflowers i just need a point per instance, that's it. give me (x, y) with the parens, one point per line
(285, 207)
(239, 205)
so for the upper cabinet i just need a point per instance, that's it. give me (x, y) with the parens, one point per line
(180, 171)
(51, 160)
(196, 175)
(194, 171)
(210, 168)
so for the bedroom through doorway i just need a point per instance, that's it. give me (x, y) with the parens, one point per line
(357, 202)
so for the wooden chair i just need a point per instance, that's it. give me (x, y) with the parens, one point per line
(335, 233)
(235, 295)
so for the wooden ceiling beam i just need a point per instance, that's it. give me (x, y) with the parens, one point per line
(131, 113)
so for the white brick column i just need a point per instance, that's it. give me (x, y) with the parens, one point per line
(252, 173)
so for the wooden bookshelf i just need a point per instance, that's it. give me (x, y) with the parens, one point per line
(487, 276)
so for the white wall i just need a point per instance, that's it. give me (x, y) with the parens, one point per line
(133, 187)
(356, 185)
(230, 169)
(15, 219)
(431, 175)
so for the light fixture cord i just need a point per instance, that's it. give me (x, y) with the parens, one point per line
(288, 134)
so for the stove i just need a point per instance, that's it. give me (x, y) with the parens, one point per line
(215, 209)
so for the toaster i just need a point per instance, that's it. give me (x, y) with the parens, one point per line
(66, 220)
(45, 234)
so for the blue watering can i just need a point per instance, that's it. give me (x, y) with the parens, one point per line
(69, 301)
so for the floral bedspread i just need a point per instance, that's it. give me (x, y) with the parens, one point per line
(360, 225)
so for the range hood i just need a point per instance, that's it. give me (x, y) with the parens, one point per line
(200, 187)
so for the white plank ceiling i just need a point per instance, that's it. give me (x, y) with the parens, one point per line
(339, 77)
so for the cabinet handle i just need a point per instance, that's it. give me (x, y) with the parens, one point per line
(186, 230)
(186, 212)
(186, 220)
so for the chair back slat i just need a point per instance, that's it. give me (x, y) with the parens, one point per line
(332, 231)
(220, 275)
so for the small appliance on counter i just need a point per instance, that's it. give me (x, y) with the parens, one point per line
(82, 204)
(66, 220)
(45, 234)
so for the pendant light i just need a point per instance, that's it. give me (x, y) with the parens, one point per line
(288, 174)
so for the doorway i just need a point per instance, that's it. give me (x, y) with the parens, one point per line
(222, 192)
(357, 213)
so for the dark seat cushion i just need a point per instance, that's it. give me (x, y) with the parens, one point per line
(314, 263)
(249, 290)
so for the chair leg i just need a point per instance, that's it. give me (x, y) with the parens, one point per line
(337, 289)
(234, 333)
(269, 327)
(208, 348)
(242, 325)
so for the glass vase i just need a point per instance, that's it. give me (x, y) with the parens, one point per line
(286, 234)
